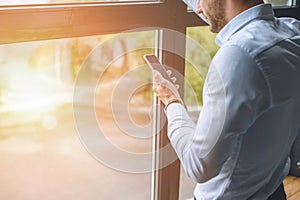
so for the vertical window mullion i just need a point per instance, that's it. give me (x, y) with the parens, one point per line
(167, 177)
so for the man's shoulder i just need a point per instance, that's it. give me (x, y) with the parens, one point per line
(291, 23)
(260, 35)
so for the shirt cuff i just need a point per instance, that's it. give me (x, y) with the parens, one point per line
(175, 109)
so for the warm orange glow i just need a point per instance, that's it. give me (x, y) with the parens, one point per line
(35, 94)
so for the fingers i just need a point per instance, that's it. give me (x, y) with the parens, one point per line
(155, 74)
(157, 89)
(169, 72)
(159, 80)
(173, 79)
(157, 77)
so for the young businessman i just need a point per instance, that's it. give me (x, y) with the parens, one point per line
(240, 145)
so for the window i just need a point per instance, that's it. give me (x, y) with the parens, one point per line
(198, 58)
(39, 144)
(41, 54)
(289, 8)
(47, 2)
(43, 48)
(281, 2)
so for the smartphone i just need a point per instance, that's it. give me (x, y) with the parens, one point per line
(154, 64)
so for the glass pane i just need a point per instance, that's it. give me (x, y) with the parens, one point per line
(198, 58)
(44, 153)
(27, 2)
(281, 2)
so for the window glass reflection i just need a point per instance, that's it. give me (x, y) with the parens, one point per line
(41, 155)
(27, 2)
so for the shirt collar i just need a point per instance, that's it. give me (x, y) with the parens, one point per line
(262, 11)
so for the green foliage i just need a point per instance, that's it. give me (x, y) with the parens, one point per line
(193, 86)
(205, 38)
(201, 56)
(198, 58)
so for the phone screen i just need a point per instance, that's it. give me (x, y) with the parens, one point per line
(154, 64)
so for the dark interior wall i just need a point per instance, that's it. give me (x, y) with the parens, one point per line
(289, 12)
(292, 12)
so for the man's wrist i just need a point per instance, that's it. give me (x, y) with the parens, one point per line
(173, 101)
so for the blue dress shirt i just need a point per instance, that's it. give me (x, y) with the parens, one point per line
(250, 117)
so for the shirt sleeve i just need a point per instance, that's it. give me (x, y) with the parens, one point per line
(235, 93)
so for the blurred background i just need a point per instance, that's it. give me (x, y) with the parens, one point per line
(41, 156)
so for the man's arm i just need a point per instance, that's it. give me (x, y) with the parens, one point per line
(235, 94)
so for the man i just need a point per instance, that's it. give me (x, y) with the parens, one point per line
(251, 104)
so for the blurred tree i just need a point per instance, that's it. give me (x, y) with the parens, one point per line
(200, 55)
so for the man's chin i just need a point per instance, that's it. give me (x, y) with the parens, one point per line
(213, 29)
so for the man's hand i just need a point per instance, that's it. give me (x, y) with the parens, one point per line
(165, 90)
